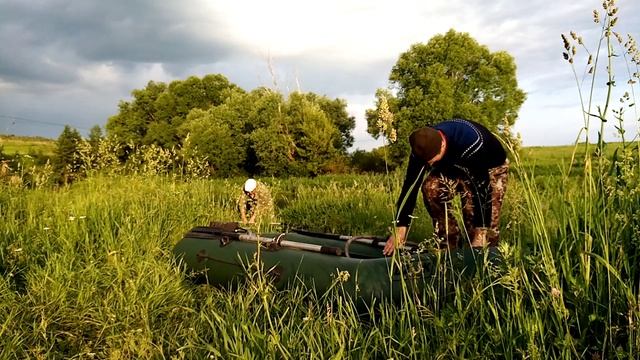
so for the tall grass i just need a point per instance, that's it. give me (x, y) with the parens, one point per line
(87, 269)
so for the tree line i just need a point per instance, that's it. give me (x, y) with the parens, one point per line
(264, 132)
(257, 132)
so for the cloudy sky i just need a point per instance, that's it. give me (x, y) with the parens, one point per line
(71, 62)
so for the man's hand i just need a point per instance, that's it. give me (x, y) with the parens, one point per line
(390, 246)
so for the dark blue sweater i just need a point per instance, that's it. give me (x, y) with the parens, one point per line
(471, 151)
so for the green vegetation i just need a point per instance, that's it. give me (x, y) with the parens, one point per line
(234, 131)
(451, 76)
(550, 160)
(25, 145)
(86, 269)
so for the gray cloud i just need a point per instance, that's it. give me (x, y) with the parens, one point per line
(72, 61)
(50, 39)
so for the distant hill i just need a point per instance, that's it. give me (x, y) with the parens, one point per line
(32, 145)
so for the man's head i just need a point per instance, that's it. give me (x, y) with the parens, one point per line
(249, 186)
(427, 143)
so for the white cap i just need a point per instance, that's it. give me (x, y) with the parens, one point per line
(250, 185)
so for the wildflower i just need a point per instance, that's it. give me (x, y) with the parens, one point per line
(82, 217)
(343, 276)
(46, 228)
(385, 120)
(72, 218)
(393, 136)
(596, 16)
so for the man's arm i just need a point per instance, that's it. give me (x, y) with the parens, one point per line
(410, 188)
(406, 203)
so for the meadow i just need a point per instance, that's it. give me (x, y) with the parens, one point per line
(27, 145)
(87, 271)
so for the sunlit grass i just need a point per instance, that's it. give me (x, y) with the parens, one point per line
(12, 145)
(87, 270)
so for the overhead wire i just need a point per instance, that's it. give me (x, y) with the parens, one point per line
(18, 119)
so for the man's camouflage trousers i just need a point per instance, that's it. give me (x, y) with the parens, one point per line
(439, 191)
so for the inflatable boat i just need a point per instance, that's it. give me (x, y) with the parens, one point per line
(223, 254)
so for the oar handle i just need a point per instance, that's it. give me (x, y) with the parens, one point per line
(280, 241)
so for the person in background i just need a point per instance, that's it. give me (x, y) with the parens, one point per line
(255, 202)
(461, 157)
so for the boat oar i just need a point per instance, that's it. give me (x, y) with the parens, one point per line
(363, 239)
(224, 236)
(291, 244)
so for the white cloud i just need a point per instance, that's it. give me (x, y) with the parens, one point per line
(337, 30)
(6, 87)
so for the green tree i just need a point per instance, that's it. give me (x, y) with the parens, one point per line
(369, 161)
(303, 134)
(272, 144)
(66, 162)
(95, 136)
(131, 123)
(450, 76)
(211, 135)
(336, 111)
(274, 150)
(182, 96)
(316, 136)
(156, 112)
(295, 137)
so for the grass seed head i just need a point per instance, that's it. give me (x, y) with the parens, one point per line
(567, 46)
(385, 121)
